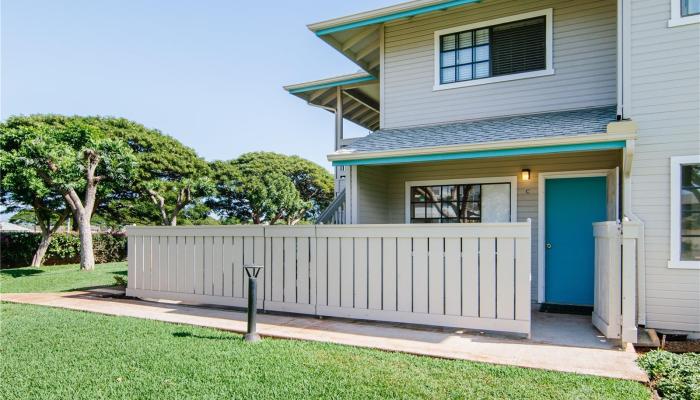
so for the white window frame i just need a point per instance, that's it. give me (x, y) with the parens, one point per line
(675, 261)
(513, 180)
(549, 70)
(677, 19)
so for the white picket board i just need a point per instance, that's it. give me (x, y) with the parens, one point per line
(389, 265)
(290, 270)
(199, 264)
(505, 279)
(303, 265)
(360, 281)
(470, 277)
(404, 278)
(147, 263)
(160, 281)
(333, 274)
(181, 274)
(420, 275)
(436, 275)
(172, 263)
(209, 265)
(522, 279)
(277, 269)
(259, 259)
(217, 266)
(487, 278)
(321, 271)
(374, 273)
(239, 282)
(346, 271)
(453, 276)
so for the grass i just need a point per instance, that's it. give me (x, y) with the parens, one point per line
(58, 278)
(52, 353)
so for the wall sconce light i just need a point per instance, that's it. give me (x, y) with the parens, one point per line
(525, 174)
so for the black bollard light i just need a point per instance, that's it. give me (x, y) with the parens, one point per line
(252, 271)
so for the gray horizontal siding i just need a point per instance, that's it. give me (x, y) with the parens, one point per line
(584, 61)
(665, 90)
(391, 180)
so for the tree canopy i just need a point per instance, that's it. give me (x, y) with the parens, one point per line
(70, 157)
(265, 187)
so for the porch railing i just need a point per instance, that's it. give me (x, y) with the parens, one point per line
(474, 276)
(335, 212)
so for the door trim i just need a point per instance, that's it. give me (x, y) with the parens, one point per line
(542, 178)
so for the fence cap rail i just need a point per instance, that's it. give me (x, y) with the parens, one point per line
(492, 230)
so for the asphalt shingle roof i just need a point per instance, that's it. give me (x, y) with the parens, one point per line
(532, 126)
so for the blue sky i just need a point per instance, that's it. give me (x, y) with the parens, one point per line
(209, 73)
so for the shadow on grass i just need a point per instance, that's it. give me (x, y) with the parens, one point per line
(190, 335)
(120, 272)
(20, 272)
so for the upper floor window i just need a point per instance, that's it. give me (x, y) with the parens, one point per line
(684, 12)
(685, 212)
(492, 51)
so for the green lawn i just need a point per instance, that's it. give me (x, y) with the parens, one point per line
(58, 278)
(54, 353)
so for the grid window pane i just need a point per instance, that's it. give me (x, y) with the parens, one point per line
(481, 70)
(464, 56)
(433, 210)
(690, 248)
(450, 210)
(481, 53)
(449, 42)
(481, 36)
(464, 72)
(448, 59)
(447, 75)
(418, 210)
(417, 194)
(466, 39)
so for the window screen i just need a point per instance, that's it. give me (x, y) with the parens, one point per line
(504, 49)
(460, 203)
(690, 212)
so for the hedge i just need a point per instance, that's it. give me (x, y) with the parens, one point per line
(17, 248)
(674, 376)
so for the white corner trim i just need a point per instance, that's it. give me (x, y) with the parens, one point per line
(513, 180)
(541, 178)
(549, 69)
(675, 261)
(677, 19)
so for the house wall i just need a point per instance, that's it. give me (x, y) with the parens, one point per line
(391, 180)
(665, 103)
(584, 50)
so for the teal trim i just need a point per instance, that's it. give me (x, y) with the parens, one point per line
(394, 16)
(332, 84)
(563, 148)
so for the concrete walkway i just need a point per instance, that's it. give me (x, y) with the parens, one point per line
(600, 358)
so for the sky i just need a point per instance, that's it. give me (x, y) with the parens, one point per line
(209, 73)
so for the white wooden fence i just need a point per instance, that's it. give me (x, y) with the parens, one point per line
(614, 308)
(474, 276)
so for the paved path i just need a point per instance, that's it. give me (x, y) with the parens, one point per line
(430, 342)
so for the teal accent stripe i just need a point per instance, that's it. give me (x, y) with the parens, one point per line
(563, 148)
(332, 84)
(394, 16)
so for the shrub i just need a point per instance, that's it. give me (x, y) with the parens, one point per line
(675, 376)
(17, 248)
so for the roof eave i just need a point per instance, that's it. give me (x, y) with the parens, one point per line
(341, 157)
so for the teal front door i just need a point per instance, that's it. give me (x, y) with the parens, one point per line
(572, 205)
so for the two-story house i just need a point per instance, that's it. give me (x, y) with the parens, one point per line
(567, 113)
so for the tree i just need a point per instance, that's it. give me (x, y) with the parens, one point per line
(264, 187)
(169, 175)
(66, 156)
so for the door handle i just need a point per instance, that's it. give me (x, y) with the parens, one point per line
(548, 245)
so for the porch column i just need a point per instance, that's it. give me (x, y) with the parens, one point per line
(338, 117)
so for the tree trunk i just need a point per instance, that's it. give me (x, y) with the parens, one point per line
(87, 257)
(38, 259)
